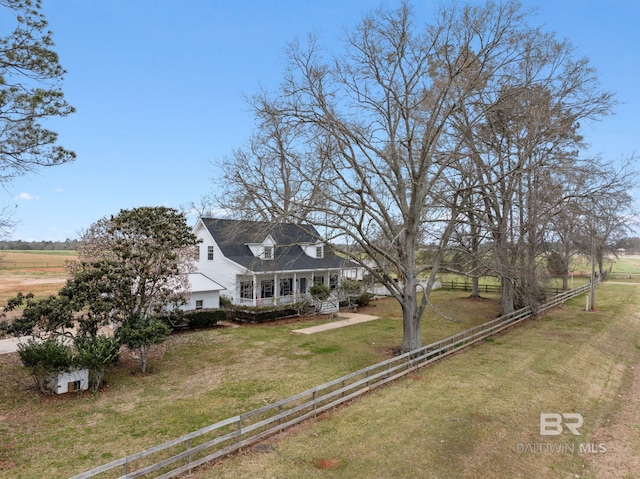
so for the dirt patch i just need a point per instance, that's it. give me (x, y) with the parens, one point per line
(331, 463)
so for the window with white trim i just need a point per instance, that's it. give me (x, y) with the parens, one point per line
(286, 286)
(266, 288)
(319, 252)
(268, 252)
(246, 289)
(210, 253)
(199, 304)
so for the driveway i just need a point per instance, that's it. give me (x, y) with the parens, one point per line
(10, 345)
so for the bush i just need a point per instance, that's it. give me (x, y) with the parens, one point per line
(44, 359)
(320, 291)
(204, 318)
(225, 302)
(556, 265)
(96, 353)
(140, 334)
(245, 314)
(175, 319)
(364, 299)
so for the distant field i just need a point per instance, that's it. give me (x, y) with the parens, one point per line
(39, 260)
(39, 272)
(626, 265)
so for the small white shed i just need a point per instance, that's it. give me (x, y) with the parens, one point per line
(69, 381)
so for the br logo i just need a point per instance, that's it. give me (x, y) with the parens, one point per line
(552, 424)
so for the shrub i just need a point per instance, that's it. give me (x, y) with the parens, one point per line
(556, 264)
(364, 299)
(96, 353)
(140, 334)
(225, 302)
(44, 359)
(248, 314)
(204, 318)
(320, 291)
(175, 319)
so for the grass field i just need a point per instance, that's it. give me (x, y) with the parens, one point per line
(466, 416)
(477, 415)
(40, 272)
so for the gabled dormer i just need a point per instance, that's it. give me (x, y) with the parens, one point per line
(264, 250)
(313, 250)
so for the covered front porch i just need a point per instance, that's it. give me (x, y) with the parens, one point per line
(271, 289)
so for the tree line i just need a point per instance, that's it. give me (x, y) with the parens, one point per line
(19, 245)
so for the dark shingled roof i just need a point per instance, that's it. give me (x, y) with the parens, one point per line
(232, 237)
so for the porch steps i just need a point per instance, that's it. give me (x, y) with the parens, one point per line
(331, 305)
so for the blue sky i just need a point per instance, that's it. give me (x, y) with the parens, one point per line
(160, 86)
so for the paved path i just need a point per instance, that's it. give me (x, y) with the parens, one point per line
(350, 319)
(10, 345)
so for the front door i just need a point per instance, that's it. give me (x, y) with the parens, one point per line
(303, 285)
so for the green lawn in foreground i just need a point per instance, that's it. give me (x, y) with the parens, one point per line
(477, 415)
(202, 378)
(461, 418)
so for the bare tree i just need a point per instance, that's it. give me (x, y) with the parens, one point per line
(519, 132)
(608, 210)
(372, 155)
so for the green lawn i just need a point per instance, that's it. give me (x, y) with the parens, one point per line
(201, 378)
(460, 418)
(477, 414)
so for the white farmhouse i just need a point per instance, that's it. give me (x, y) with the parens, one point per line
(260, 263)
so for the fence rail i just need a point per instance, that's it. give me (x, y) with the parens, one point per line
(222, 438)
(484, 288)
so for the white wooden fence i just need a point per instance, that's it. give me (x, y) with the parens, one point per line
(222, 438)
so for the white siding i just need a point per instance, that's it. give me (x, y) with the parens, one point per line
(221, 270)
(210, 299)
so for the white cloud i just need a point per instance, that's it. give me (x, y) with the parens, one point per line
(27, 197)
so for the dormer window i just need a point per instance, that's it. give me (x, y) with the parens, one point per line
(268, 252)
(319, 252)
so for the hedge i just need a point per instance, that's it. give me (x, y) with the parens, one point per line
(246, 314)
(194, 319)
(204, 318)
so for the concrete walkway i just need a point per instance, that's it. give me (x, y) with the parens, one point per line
(10, 345)
(350, 319)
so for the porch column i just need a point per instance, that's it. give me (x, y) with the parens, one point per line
(276, 289)
(295, 287)
(255, 289)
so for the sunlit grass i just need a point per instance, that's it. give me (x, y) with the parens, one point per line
(460, 418)
(472, 415)
(201, 378)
